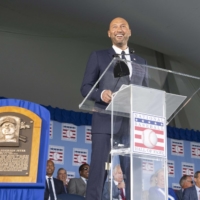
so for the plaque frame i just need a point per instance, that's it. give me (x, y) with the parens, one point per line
(35, 146)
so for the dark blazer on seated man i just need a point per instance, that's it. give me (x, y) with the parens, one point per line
(53, 185)
(59, 188)
(190, 193)
(179, 194)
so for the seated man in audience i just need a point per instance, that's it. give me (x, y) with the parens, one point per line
(118, 186)
(53, 185)
(62, 175)
(78, 185)
(185, 182)
(157, 192)
(193, 193)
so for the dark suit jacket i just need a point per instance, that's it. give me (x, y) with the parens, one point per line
(77, 186)
(179, 194)
(59, 188)
(190, 193)
(98, 61)
(106, 191)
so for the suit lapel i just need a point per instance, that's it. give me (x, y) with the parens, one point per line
(111, 53)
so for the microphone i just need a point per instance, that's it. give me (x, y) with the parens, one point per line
(131, 51)
(120, 69)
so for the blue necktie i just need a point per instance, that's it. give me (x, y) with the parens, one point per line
(123, 55)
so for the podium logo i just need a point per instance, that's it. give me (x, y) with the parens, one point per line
(88, 136)
(149, 134)
(148, 166)
(69, 132)
(177, 147)
(80, 156)
(188, 169)
(195, 150)
(51, 130)
(170, 164)
(56, 154)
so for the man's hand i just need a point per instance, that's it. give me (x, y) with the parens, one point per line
(107, 96)
(121, 185)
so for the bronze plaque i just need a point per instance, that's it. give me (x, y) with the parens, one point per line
(19, 144)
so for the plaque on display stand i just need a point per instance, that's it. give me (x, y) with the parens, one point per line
(20, 131)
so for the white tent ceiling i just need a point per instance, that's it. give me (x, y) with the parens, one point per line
(170, 27)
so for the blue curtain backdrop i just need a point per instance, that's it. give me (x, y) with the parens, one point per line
(79, 119)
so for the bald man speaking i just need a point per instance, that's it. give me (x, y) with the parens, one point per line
(119, 33)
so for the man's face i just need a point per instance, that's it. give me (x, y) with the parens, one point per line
(119, 32)
(197, 180)
(118, 175)
(8, 128)
(85, 171)
(161, 179)
(188, 183)
(62, 175)
(50, 168)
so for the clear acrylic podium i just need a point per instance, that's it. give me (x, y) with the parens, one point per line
(139, 115)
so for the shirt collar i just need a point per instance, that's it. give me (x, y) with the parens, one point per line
(197, 188)
(49, 177)
(116, 183)
(84, 178)
(119, 51)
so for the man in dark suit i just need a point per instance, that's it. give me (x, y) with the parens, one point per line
(193, 193)
(62, 175)
(118, 186)
(185, 182)
(53, 185)
(119, 32)
(78, 185)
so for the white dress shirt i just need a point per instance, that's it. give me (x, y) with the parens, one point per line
(53, 186)
(128, 57)
(84, 179)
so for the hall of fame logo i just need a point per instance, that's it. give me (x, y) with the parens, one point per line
(80, 156)
(149, 134)
(147, 166)
(51, 130)
(69, 132)
(176, 186)
(170, 164)
(70, 175)
(88, 136)
(56, 154)
(177, 147)
(195, 150)
(187, 169)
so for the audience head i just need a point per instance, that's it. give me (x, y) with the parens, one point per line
(160, 178)
(62, 175)
(117, 174)
(153, 180)
(197, 178)
(186, 181)
(84, 170)
(50, 168)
